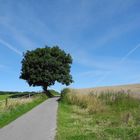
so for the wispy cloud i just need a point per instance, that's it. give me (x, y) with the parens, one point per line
(9, 46)
(123, 59)
(129, 53)
(92, 73)
(23, 33)
(116, 32)
(18, 35)
(85, 59)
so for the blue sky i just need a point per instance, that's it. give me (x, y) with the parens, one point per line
(103, 38)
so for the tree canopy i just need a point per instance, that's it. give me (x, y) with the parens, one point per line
(45, 66)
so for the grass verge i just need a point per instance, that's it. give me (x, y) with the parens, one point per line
(119, 120)
(17, 108)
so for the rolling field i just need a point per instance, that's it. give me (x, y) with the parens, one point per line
(132, 88)
(114, 114)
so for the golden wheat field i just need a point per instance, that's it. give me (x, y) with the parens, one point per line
(133, 89)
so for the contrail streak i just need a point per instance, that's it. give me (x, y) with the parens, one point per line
(120, 62)
(129, 53)
(10, 47)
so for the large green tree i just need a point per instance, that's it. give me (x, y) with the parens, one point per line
(45, 66)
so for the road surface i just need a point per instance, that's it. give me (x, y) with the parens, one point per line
(37, 124)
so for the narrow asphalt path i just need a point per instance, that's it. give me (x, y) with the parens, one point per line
(37, 124)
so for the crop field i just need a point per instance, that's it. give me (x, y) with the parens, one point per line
(133, 88)
(110, 115)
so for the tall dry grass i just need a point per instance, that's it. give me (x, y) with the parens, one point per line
(133, 89)
(98, 102)
(89, 102)
(13, 103)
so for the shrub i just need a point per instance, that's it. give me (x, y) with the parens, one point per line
(64, 92)
(54, 93)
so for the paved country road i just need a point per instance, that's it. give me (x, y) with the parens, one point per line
(37, 124)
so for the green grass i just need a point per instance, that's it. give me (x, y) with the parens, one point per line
(3, 97)
(54, 93)
(119, 121)
(11, 113)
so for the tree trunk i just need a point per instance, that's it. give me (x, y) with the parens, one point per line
(45, 88)
(47, 92)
